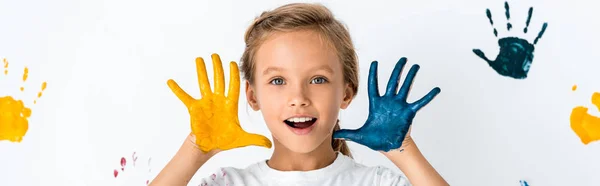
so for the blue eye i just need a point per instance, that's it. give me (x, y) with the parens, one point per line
(277, 81)
(319, 80)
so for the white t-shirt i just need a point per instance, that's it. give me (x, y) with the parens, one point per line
(344, 171)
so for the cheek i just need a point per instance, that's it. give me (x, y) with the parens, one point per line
(327, 101)
(330, 96)
(271, 101)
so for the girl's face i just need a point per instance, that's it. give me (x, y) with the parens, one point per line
(300, 88)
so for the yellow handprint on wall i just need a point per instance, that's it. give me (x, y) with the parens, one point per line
(214, 117)
(586, 126)
(13, 113)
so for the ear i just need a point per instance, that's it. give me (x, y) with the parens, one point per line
(251, 96)
(348, 96)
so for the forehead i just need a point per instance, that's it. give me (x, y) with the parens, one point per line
(298, 49)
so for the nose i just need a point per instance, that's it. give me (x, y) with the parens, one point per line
(298, 97)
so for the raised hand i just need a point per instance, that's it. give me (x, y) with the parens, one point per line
(516, 54)
(390, 116)
(214, 117)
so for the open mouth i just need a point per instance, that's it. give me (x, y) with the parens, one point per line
(300, 122)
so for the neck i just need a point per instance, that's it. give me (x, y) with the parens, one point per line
(284, 159)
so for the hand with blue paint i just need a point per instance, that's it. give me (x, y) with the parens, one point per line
(516, 54)
(390, 116)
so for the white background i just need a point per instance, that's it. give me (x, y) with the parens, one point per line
(107, 63)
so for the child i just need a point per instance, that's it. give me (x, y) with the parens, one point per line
(300, 69)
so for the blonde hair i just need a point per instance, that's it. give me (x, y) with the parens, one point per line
(304, 16)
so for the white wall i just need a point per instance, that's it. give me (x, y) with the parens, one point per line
(107, 63)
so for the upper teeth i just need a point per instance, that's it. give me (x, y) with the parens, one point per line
(299, 119)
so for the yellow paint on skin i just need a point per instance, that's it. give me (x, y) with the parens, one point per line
(14, 114)
(586, 126)
(214, 119)
(574, 87)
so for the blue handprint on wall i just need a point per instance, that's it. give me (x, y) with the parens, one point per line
(516, 54)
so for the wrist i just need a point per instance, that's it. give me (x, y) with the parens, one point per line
(190, 146)
(409, 147)
(408, 155)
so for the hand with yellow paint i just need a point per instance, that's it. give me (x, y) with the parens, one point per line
(214, 117)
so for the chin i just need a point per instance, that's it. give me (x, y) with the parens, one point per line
(301, 146)
(302, 143)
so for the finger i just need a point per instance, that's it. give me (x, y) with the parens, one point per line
(392, 86)
(507, 13)
(528, 19)
(219, 77)
(348, 134)
(182, 95)
(373, 84)
(417, 105)
(481, 55)
(256, 140)
(202, 77)
(541, 33)
(234, 83)
(488, 13)
(403, 93)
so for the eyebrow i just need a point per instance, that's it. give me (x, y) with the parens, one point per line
(276, 69)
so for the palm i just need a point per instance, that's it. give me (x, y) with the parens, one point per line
(214, 119)
(390, 116)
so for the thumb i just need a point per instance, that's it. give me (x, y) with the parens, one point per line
(481, 55)
(348, 134)
(254, 139)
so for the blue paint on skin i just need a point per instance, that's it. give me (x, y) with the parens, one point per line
(390, 116)
(523, 183)
(516, 54)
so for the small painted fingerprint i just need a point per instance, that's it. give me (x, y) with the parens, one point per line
(14, 115)
(585, 125)
(134, 158)
(123, 163)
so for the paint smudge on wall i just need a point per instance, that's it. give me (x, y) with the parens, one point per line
(516, 54)
(134, 157)
(14, 114)
(585, 125)
(523, 183)
(123, 163)
(149, 170)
